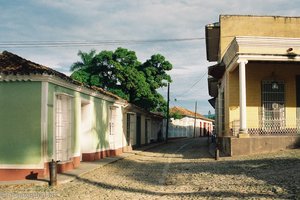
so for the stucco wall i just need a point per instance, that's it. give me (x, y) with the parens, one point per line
(255, 73)
(185, 127)
(270, 26)
(232, 146)
(20, 123)
(156, 128)
(119, 135)
(256, 145)
(97, 138)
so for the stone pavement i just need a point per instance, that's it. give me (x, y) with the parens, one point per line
(181, 169)
(84, 167)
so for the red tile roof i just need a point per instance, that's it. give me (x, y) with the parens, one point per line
(11, 64)
(187, 113)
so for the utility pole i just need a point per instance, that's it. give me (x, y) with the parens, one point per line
(195, 119)
(168, 114)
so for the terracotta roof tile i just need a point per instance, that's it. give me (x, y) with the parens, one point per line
(188, 113)
(16, 65)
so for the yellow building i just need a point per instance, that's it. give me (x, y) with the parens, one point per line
(255, 84)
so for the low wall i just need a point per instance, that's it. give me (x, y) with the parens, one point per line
(233, 146)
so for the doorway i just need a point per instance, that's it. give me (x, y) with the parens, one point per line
(138, 130)
(85, 127)
(63, 127)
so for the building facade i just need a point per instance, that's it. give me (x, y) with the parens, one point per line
(189, 124)
(255, 83)
(47, 115)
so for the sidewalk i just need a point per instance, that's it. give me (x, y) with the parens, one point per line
(83, 168)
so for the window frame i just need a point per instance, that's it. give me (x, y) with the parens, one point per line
(273, 105)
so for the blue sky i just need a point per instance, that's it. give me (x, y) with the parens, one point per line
(101, 20)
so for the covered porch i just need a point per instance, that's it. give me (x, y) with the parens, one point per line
(257, 95)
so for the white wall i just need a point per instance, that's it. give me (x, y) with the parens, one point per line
(185, 127)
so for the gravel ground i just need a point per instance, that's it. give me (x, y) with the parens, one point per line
(180, 170)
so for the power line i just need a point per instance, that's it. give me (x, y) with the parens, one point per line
(36, 44)
(186, 92)
(23, 44)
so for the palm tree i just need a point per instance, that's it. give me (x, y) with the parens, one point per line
(81, 68)
(87, 60)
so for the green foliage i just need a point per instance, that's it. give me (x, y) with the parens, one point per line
(176, 115)
(121, 73)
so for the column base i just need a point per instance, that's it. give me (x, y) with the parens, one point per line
(243, 135)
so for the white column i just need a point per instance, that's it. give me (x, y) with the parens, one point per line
(44, 121)
(219, 131)
(242, 89)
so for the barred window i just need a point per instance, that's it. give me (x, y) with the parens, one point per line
(63, 124)
(273, 104)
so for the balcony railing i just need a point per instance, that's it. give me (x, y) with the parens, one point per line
(271, 129)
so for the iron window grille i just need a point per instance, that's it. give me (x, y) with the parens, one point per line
(273, 105)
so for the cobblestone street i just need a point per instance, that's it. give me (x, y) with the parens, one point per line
(181, 169)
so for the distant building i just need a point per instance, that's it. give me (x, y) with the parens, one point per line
(255, 84)
(182, 124)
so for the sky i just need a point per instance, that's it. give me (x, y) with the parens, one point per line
(109, 24)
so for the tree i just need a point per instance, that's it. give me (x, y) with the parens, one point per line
(81, 68)
(120, 72)
(155, 69)
(176, 115)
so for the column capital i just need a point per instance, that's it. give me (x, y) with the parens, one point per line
(241, 60)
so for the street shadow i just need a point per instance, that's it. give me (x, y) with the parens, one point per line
(275, 172)
(187, 148)
(197, 194)
(34, 177)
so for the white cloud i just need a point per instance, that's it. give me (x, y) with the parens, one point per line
(92, 20)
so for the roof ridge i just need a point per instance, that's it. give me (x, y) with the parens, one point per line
(11, 63)
(187, 112)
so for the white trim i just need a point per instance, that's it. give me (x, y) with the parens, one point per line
(57, 81)
(84, 102)
(78, 154)
(63, 93)
(278, 45)
(131, 113)
(71, 123)
(44, 122)
(113, 107)
(242, 92)
(270, 57)
(99, 150)
(276, 58)
(23, 166)
(285, 42)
